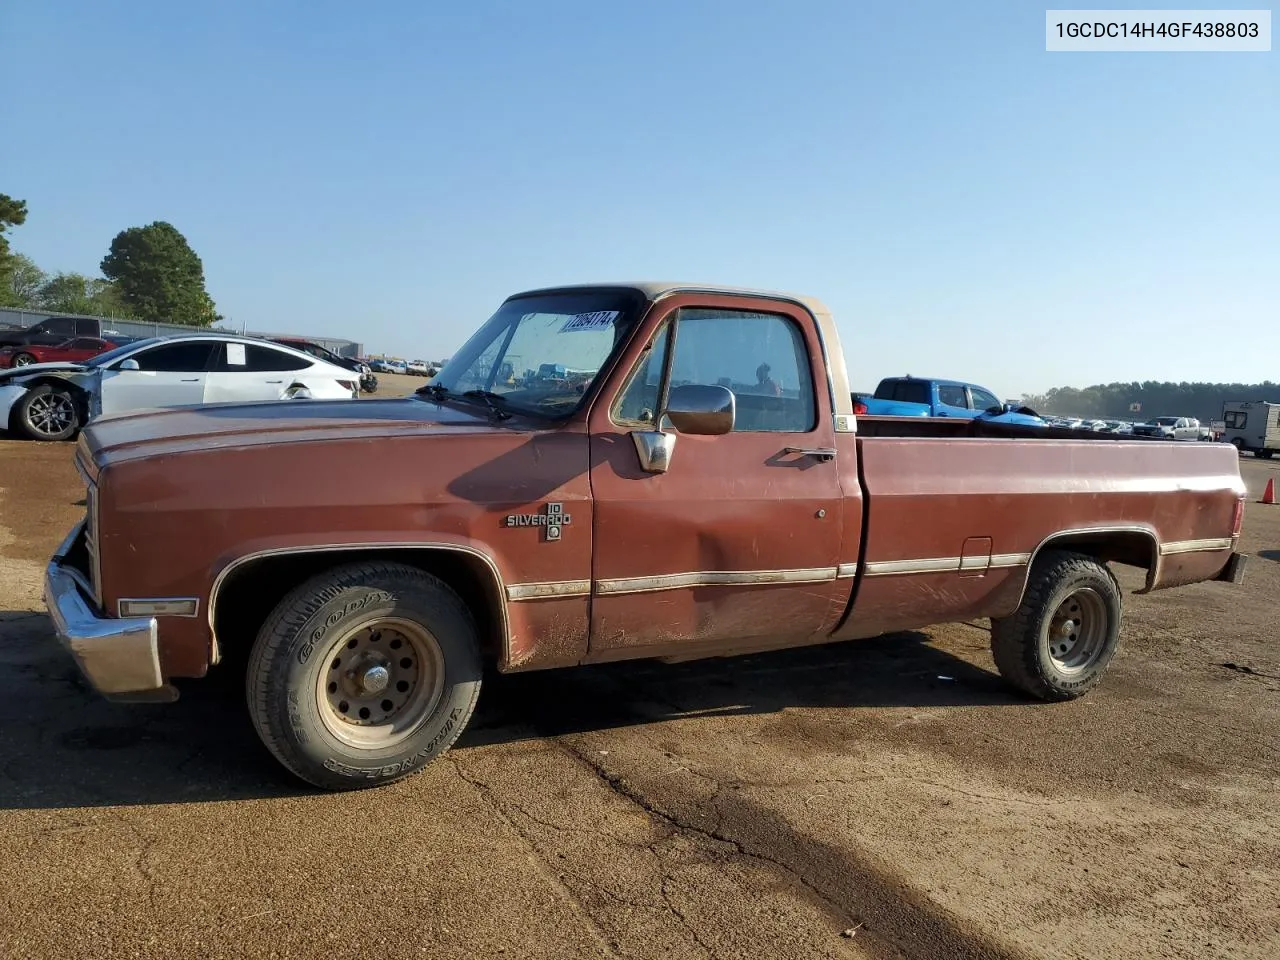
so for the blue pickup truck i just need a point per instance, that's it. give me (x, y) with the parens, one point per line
(927, 397)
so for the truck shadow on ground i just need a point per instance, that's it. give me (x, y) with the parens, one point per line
(65, 747)
(1270, 555)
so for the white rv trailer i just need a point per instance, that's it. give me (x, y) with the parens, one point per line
(1253, 425)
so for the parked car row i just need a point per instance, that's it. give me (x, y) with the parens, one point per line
(73, 339)
(416, 368)
(1097, 426)
(1167, 428)
(51, 401)
(68, 351)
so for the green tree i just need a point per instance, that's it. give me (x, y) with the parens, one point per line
(25, 281)
(76, 293)
(13, 213)
(158, 276)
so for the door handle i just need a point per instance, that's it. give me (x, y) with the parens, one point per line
(275, 381)
(190, 380)
(822, 453)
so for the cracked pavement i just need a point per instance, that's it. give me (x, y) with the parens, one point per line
(842, 801)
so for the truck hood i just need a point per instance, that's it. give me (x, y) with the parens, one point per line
(148, 433)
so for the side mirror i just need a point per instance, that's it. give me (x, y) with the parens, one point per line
(701, 409)
(129, 364)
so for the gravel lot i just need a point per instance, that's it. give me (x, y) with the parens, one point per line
(882, 799)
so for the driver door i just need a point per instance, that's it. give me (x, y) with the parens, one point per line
(169, 375)
(737, 541)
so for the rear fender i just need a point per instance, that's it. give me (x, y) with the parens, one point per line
(1135, 545)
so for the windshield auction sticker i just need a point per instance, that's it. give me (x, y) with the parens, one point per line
(1158, 31)
(600, 320)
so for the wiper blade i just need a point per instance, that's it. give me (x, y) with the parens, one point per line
(491, 400)
(438, 392)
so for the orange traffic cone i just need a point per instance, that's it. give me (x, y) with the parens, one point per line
(1269, 494)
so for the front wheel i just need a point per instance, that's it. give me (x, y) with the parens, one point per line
(47, 413)
(23, 360)
(364, 675)
(1057, 644)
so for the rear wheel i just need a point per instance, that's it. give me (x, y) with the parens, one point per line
(47, 413)
(1058, 643)
(364, 675)
(1264, 454)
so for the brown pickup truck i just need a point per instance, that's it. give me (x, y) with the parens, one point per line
(600, 473)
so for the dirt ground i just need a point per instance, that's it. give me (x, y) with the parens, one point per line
(879, 799)
(397, 385)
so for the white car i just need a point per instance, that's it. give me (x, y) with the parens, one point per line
(419, 367)
(51, 401)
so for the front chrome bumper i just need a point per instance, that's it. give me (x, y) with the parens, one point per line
(119, 657)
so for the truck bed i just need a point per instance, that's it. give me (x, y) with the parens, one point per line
(951, 528)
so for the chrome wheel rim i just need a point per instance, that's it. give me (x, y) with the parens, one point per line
(22, 360)
(1078, 631)
(50, 414)
(380, 683)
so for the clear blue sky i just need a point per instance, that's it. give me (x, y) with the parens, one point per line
(968, 204)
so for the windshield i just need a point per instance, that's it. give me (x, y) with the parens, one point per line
(540, 354)
(1166, 421)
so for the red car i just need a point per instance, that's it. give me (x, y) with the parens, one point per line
(69, 351)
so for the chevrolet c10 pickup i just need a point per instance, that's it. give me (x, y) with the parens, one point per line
(695, 484)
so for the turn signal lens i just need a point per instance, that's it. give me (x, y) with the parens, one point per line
(175, 607)
(1237, 521)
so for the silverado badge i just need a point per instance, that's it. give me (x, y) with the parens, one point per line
(551, 521)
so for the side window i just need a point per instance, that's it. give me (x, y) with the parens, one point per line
(951, 395)
(251, 358)
(266, 360)
(191, 357)
(86, 343)
(59, 327)
(86, 327)
(760, 357)
(640, 397)
(983, 400)
(911, 391)
(1236, 419)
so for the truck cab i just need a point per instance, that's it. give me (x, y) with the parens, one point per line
(930, 397)
(52, 331)
(1174, 428)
